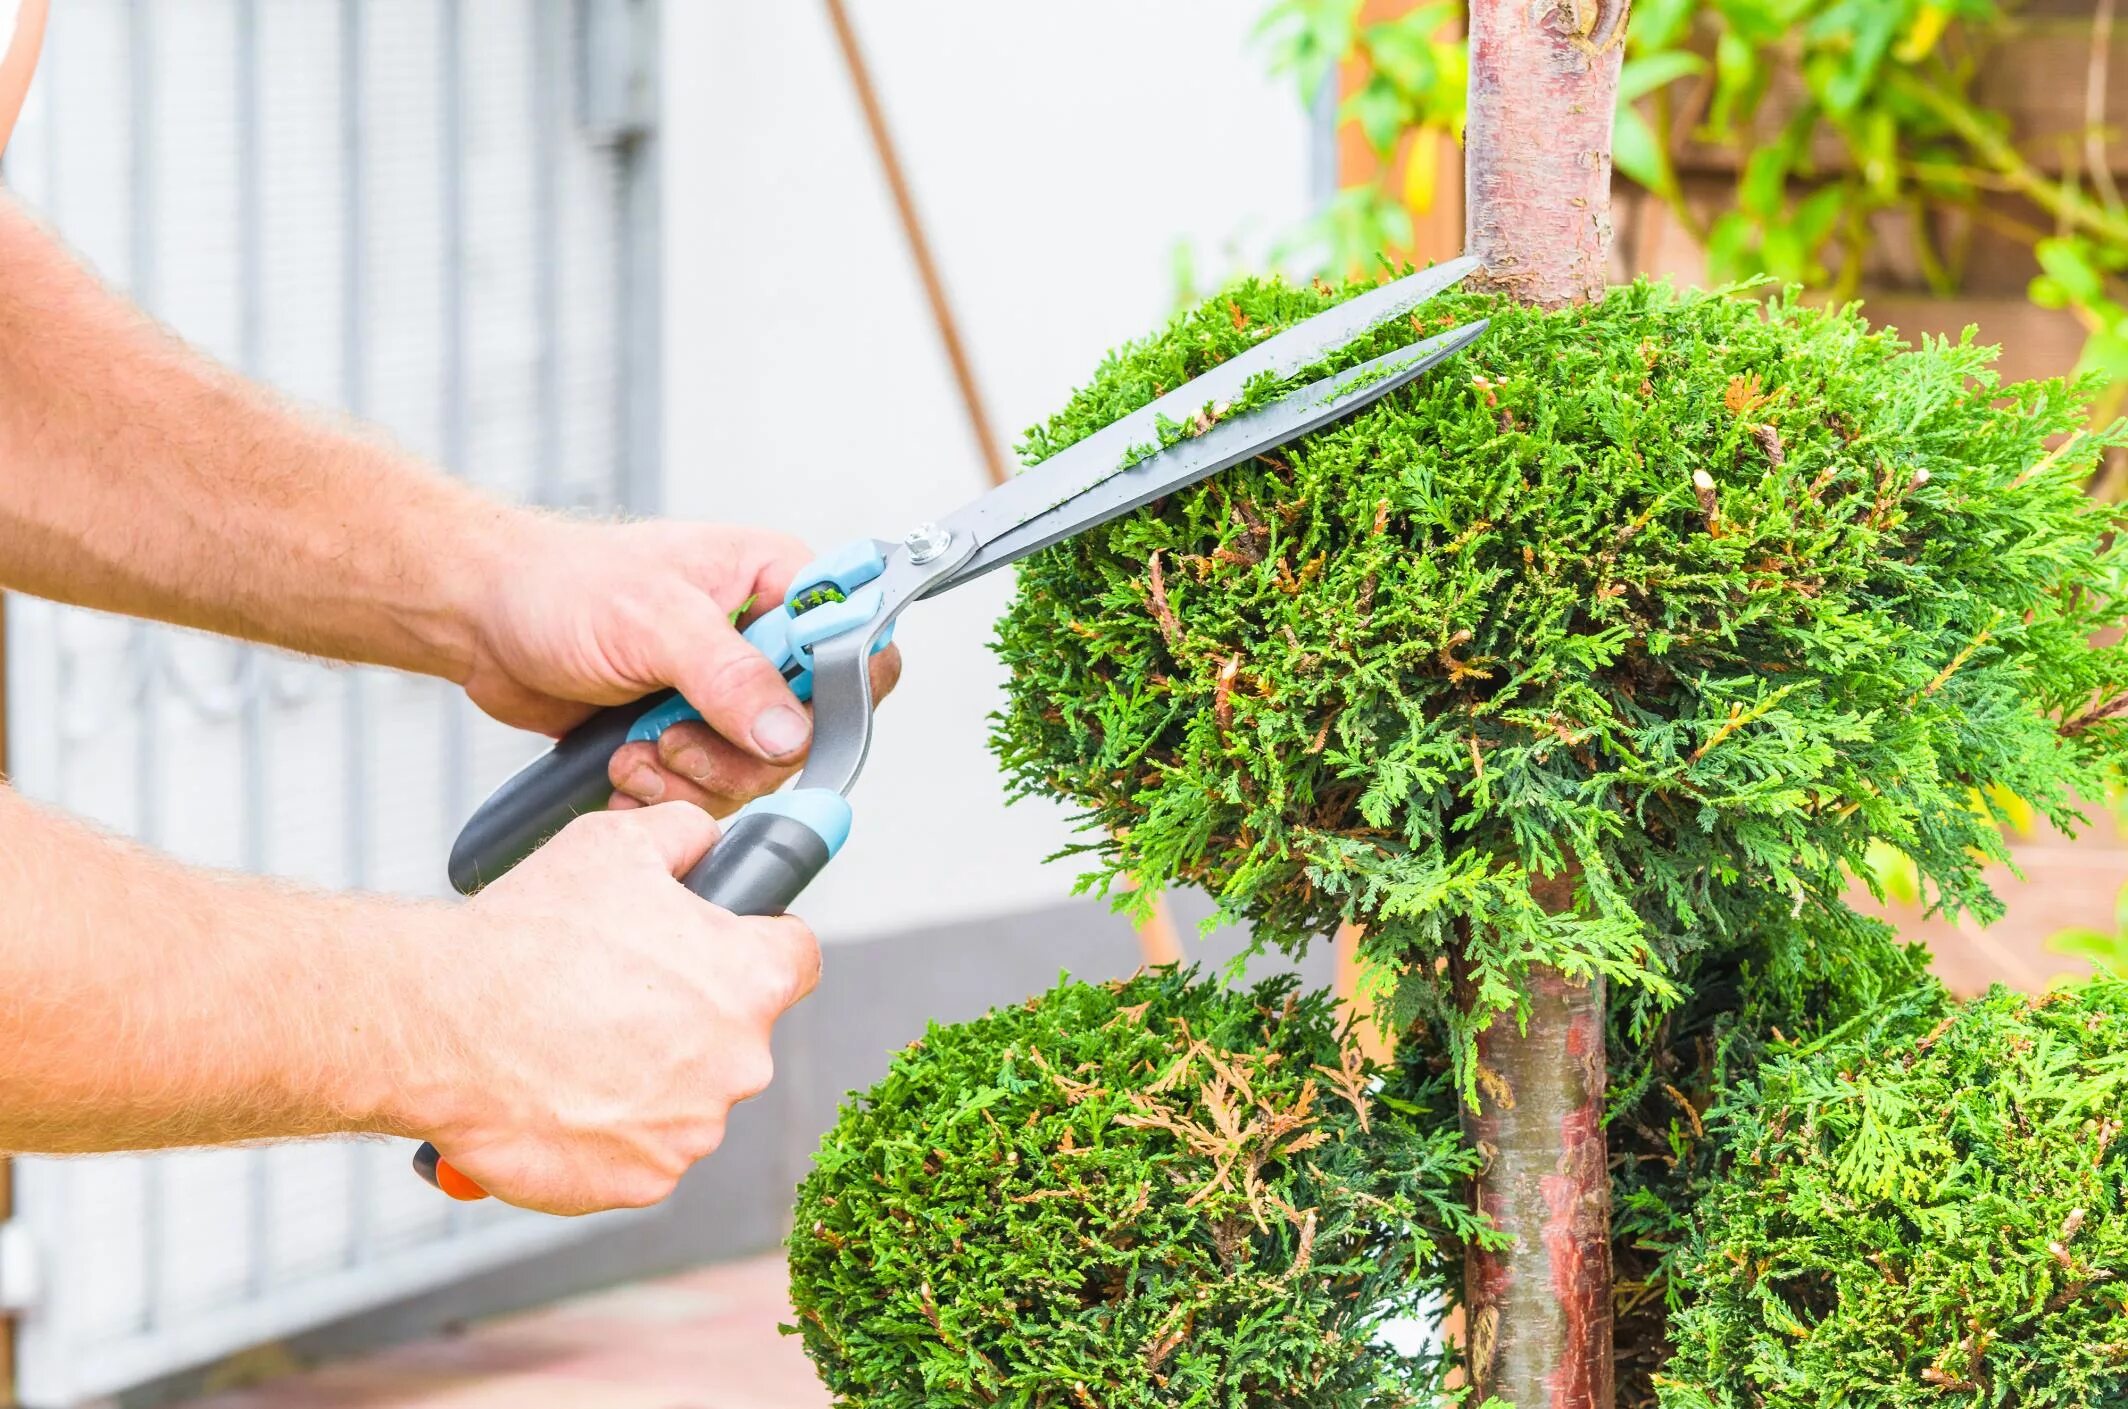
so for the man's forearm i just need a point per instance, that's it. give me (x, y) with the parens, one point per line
(136, 476)
(147, 1004)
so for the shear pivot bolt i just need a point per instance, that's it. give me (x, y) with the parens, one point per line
(926, 542)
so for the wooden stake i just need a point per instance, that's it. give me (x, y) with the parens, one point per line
(19, 64)
(1159, 943)
(912, 227)
(1353, 995)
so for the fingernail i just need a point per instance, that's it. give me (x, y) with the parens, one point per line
(780, 731)
(693, 762)
(644, 783)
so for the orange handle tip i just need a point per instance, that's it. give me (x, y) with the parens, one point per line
(457, 1185)
(430, 1164)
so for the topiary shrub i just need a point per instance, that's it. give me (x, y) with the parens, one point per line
(1783, 979)
(911, 1251)
(1607, 651)
(1683, 598)
(1925, 1207)
(1154, 1192)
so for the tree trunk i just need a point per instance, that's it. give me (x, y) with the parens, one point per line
(1537, 145)
(1538, 1314)
(1537, 182)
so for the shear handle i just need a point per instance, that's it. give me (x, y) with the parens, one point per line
(766, 858)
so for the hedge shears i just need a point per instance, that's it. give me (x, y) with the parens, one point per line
(841, 608)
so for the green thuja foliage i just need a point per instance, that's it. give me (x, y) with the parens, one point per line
(1693, 595)
(1783, 978)
(1148, 1193)
(1925, 1208)
(1020, 1208)
(1779, 978)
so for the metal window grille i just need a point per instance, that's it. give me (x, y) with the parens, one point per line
(441, 216)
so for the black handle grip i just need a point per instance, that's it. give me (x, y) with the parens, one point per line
(540, 798)
(760, 866)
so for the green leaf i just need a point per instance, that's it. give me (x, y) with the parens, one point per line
(1740, 78)
(1636, 152)
(1874, 140)
(1382, 112)
(2047, 292)
(1816, 214)
(1642, 76)
(1404, 52)
(1308, 38)
(1657, 25)
(1756, 22)
(2106, 352)
(1763, 188)
(2068, 263)
(1842, 80)
(2092, 945)
(1732, 248)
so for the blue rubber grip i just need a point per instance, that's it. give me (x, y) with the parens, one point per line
(823, 811)
(826, 599)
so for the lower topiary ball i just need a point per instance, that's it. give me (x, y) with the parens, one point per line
(1160, 1192)
(1925, 1208)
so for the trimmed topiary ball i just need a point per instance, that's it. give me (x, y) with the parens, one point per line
(1925, 1208)
(1159, 1192)
(1688, 597)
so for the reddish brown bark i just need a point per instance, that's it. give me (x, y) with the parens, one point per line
(1537, 189)
(1538, 1314)
(1537, 146)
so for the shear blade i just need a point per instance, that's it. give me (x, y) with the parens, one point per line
(1108, 451)
(1227, 444)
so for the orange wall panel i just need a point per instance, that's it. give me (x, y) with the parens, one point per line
(1437, 231)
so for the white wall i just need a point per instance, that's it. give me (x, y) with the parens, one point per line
(1059, 152)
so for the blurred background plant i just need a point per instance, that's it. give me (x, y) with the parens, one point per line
(1850, 136)
(2105, 949)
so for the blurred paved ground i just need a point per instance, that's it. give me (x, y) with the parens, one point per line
(700, 1340)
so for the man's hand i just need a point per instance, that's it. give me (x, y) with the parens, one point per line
(141, 463)
(573, 1038)
(611, 1021)
(585, 1042)
(603, 614)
